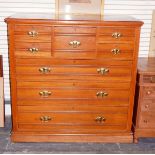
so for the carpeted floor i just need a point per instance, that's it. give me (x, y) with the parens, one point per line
(145, 146)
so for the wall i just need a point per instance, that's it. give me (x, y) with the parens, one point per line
(141, 9)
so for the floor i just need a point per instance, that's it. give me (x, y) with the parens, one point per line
(145, 146)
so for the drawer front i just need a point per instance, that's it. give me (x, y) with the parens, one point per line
(86, 43)
(73, 108)
(73, 70)
(71, 118)
(74, 102)
(111, 30)
(149, 79)
(74, 30)
(33, 49)
(65, 62)
(149, 92)
(118, 51)
(71, 84)
(37, 38)
(35, 29)
(71, 93)
(115, 34)
(148, 105)
(71, 129)
(147, 120)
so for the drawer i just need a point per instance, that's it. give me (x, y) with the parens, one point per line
(33, 49)
(111, 30)
(74, 30)
(32, 30)
(73, 108)
(72, 93)
(115, 34)
(147, 120)
(149, 92)
(149, 79)
(85, 43)
(77, 62)
(72, 118)
(118, 51)
(100, 71)
(71, 129)
(74, 102)
(38, 38)
(148, 105)
(72, 84)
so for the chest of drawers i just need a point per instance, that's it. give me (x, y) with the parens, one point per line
(1, 94)
(145, 99)
(72, 80)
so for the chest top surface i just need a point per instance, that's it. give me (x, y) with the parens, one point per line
(146, 65)
(74, 19)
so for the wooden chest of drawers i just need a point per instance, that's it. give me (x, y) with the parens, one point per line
(72, 80)
(145, 99)
(1, 94)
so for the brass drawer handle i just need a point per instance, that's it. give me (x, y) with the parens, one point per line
(75, 44)
(115, 51)
(45, 118)
(45, 93)
(100, 119)
(32, 33)
(33, 50)
(44, 70)
(102, 94)
(149, 92)
(116, 35)
(103, 71)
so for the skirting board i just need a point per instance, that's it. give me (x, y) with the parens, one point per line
(1, 102)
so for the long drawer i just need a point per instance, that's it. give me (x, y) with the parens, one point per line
(72, 118)
(80, 70)
(71, 93)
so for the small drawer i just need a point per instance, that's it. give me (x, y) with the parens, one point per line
(85, 43)
(32, 30)
(72, 93)
(149, 92)
(147, 120)
(72, 118)
(115, 51)
(148, 105)
(115, 34)
(149, 79)
(41, 38)
(74, 30)
(33, 49)
(122, 31)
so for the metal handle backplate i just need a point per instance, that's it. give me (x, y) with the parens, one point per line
(75, 44)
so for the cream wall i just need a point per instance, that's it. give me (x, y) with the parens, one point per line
(141, 9)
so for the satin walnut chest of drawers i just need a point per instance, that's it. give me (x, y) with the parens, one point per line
(72, 80)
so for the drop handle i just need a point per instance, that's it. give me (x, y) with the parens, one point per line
(44, 70)
(45, 118)
(32, 33)
(103, 71)
(115, 51)
(33, 50)
(75, 43)
(45, 93)
(102, 94)
(100, 119)
(116, 35)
